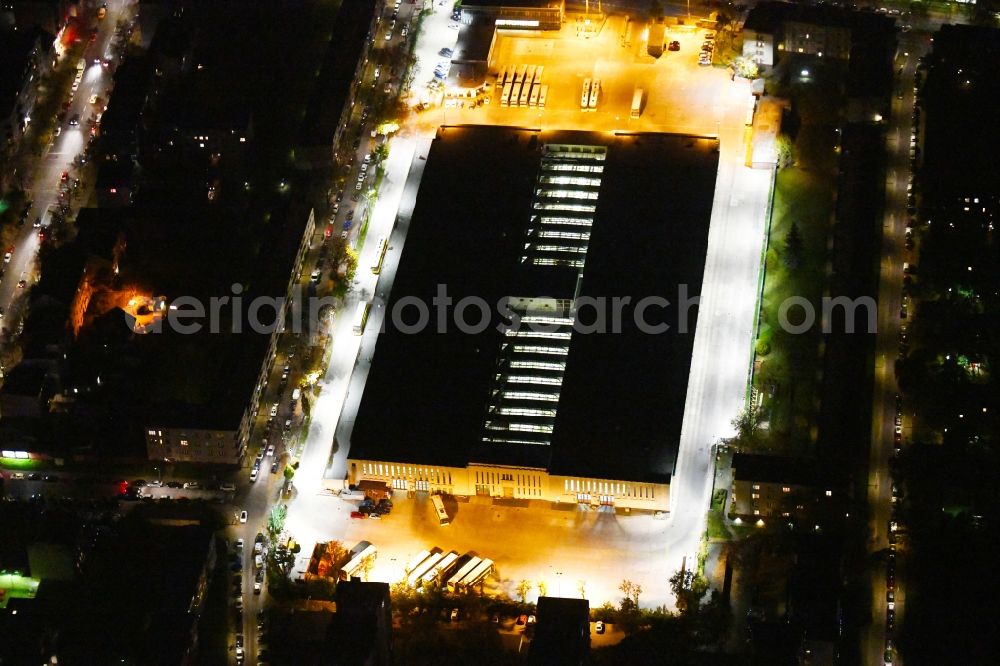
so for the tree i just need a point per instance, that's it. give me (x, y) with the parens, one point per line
(792, 258)
(289, 472)
(543, 589)
(630, 601)
(581, 587)
(688, 588)
(745, 68)
(747, 424)
(784, 149)
(523, 587)
(380, 154)
(276, 520)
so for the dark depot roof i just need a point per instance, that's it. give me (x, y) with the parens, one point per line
(427, 393)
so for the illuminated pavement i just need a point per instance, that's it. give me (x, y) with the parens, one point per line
(601, 549)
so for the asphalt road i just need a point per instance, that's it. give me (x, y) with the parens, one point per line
(894, 253)
(43, 186)
(258, 498)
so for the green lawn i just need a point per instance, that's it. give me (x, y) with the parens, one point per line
(21, 464)
(788, 363)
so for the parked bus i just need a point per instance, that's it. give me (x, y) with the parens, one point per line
(533, 99)
(356, 563)
(502, 76)
(441, 567)
(521, 71)
(529, 76)
(525, 93)
(636, 103)
(515, 93)
(425, 566)
(462, 572)
(542, 95)
(361, 316)
(505, 96)
(442, 515)
(379, 255)
(751, 106)
(538, 74)
(595, 89)
(585, 95)
(477, 574)
(417, 561)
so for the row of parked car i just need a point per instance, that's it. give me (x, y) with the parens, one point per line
(707, 47)
(369, 508)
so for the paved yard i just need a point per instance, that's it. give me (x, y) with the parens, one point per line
(558, 546)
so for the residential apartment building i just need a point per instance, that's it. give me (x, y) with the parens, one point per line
(26, 55)
(767, 486)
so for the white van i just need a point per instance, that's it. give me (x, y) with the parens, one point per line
(296, 394)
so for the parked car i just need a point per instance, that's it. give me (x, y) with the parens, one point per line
(243, 517)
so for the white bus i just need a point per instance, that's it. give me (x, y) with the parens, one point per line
(538, 74)
(440, 567)
(636, 103)
(480, 572)
(502, 76)
(529, 76)
(417, 561)
(542, 95)
(751, 106)
(521, 71)
(585, 95)
(533, 99)
(515, 93)
(462, 572)
(379, 255)
(356, 563)
(442, 515)
(595, 89)
(505, 96)
(425, 566)
(361, 316)
(525, 93)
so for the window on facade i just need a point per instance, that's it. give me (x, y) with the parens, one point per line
(829, 493)
(184, 442)
(756, 486)
(786, 489)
